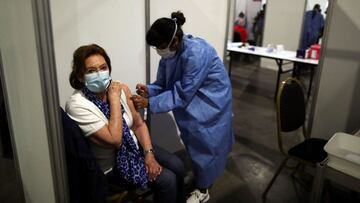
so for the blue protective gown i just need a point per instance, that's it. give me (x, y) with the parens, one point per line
(313, 23)
(195, 86)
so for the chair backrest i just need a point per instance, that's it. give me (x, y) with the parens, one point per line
(290, 107)
(87, 182)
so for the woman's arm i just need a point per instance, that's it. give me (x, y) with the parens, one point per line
(141, 131)
(111, 134)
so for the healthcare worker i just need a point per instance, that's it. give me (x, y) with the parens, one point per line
(193, 84)
(313, 27)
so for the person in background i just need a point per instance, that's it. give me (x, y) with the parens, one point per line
(241, 20)
(192, 83)
(313, 27)
(240, 33)
(258, 26)
(117, 135)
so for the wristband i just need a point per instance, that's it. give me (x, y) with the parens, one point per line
(149, 151)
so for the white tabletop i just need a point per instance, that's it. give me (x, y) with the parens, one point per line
(262, 51)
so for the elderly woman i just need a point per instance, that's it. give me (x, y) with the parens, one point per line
(118, 136)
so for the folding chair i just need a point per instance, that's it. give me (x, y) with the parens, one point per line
(290, 112)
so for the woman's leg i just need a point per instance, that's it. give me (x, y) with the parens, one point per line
(165, 187)
(173, 171)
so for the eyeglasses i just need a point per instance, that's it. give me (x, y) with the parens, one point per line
(161, 47)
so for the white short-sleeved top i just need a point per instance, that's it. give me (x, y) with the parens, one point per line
(90, 119)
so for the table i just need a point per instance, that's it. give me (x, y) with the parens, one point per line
(323, 172)
(278, 56)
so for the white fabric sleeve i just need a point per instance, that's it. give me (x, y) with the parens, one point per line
(88, 122)
(88, 117)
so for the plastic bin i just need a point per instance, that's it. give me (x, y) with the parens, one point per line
(344, 153)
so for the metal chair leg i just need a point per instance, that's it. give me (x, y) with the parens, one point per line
(274, 177)
(318, 182)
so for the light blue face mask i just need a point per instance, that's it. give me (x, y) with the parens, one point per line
(97, 82)
(167, 53)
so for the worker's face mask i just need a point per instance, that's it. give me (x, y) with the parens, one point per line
(167, 53)
(98, 82)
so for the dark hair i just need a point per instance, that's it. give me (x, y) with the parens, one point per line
(162, 29)
(78, 63)
(241, 14)
(317, 6)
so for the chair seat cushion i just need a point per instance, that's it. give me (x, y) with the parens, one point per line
(311, 150)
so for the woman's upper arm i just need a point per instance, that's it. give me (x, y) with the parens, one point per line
(137, 120)
(93, 126)
(103, 137)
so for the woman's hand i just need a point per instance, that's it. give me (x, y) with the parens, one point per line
(140, 102)
(142, 90)
(153, 168)
(114, 91)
